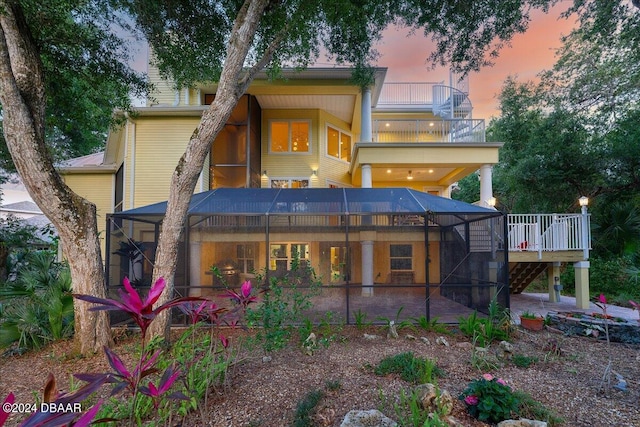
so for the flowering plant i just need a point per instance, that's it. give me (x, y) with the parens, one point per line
(490, 399)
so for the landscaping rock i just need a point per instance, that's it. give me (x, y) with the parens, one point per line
(410, 337)
(425, 340)
(371, 337)
(505, 350)
(466, 345)
(393, 330)
(442, 341)
(431, 401)
(310, 344)
(370, 418)
(522, 422)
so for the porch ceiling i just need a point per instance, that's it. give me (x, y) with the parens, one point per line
(341, 106)
(431, 163)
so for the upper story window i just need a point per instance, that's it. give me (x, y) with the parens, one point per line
(289, 136)
(338, 144)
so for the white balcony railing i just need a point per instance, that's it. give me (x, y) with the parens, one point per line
(418, 93)
(457, 130)
(548, 232)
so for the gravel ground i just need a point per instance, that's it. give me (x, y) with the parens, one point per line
(566, 378)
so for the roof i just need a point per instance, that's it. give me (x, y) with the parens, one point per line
(23, 206)
(325, 201)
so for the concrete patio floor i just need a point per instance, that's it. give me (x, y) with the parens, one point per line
(539, 303)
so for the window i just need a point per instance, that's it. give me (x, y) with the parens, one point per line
(338, 144)
(245, 255)
(281, 255)
(401, 257)
(289, 183)
(289, 136)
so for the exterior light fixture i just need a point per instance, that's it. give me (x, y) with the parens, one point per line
(387, 124)
(264, 173)
(430, 170)
(409, 176)
(492, 202)
(314, 172)
(388, 170)
(584, 201)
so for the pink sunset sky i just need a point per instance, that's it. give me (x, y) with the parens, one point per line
(529, 54)
(405, 58)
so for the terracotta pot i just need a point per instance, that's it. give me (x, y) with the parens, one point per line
(536, 324)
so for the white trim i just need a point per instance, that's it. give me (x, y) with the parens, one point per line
(132, 167)
(289, 122)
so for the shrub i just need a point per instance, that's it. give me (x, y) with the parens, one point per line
(40, 305)
(284, 302)
(412, 369)
(490, 399)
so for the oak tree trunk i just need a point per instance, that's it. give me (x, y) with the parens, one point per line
(232, 85)
(23, 114)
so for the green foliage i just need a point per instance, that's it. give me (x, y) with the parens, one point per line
(490, 399)
(468, 189)
(432, 325)
(305, 408)
(410, 413)
(495, 327)
(532, 409)
(86, 72)
(608, 276)
(523, 361)
(400, 324)
(37, 307)
(283, 305)
(412, 369)
(361, 319)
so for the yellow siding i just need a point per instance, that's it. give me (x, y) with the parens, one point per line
(159, 143)
(290, 165)
(98, 188)
(163, 93)
(332, 169)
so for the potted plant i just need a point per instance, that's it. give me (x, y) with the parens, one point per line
(531, 321)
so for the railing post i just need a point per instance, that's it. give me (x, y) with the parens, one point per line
(539, 235)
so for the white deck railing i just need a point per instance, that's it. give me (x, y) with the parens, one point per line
(548, 232)
(411, 93)
(457, 130)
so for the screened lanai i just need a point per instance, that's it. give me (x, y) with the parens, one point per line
(370, 251)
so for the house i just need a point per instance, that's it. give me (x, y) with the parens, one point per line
(355, 183)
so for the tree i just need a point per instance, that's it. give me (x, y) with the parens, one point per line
(230, 41)
(61, 74)
(598, 67)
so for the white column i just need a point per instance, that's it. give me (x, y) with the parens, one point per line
(365, 113)
(367, 267)
(367, 181)
(582, 284)
(195, 249)
(486, 186)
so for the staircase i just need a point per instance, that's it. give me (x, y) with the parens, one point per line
(452, 104)
(521, 274)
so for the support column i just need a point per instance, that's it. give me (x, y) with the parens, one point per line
(582, 284)
(486, 186)
(195, 250)
(366, 134)
(367, 268)
(493, 278)
(367, 181)
(553, 271)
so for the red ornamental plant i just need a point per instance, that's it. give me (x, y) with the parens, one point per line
(142, 313)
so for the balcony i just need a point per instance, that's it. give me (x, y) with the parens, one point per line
(456, 130)
(540, 234)
(407, 94)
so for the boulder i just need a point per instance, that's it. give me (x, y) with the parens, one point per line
(370, 418)
(522, 422)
